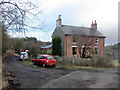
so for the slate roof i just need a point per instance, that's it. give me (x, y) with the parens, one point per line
(82, 31)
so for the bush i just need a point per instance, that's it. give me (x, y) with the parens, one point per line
(95, 61)
(88, 56)
(58, 59)
(63, 60)
(102, 61)
(56, 47)
(83, 62)
(49, 53)
(77, 61)
(67, 60)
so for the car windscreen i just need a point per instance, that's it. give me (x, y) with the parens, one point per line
(50, 57)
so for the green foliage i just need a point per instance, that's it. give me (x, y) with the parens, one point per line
(49, 53)
(29, 59)
(56, 47)
(88, 56)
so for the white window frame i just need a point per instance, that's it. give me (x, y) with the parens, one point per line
(73, 46)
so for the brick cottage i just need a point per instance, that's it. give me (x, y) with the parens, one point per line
(79, 41)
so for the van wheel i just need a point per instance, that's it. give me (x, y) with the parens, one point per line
(43, 65)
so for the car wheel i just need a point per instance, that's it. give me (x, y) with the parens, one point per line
(43, 65)
(54, 65)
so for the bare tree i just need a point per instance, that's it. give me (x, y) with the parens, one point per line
(17, 15)
(83, 43)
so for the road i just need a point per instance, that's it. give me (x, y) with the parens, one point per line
(33, 77)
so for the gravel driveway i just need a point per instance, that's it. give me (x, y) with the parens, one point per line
(32, 77)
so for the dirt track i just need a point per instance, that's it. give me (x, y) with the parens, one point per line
(29, 77)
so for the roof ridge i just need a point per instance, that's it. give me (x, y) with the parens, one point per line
(77, 26)
(80, 30)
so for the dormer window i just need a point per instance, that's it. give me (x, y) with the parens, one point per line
(96, 40)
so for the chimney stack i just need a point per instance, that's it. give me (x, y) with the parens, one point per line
(59, 21)
(94, 25)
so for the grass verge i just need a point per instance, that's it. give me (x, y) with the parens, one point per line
(72, 66)
(83, 67)
(26, 63)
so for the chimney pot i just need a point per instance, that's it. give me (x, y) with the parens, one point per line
(94, 25)
(95, 21)
(59, 21)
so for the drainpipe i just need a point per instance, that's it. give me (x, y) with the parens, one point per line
(66, 45)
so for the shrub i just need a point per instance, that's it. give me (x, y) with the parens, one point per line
(58, 59)
(88, 56)
(67, 60)
(64, 60)
(29, 59)
(56, 47)
(102, 61)
(83, 62)
(49, 53)
(95, 61)
(77, 61)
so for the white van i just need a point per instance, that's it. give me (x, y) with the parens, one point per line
(23, 55)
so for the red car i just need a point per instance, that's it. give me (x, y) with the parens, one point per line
(44, 60)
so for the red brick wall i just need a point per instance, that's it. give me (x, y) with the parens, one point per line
(101, 46)
(68, 43)
(67, 46)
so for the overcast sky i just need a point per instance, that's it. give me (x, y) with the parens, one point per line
(80, 13)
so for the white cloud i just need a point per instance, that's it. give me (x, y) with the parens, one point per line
(81, 12)
(51, 4)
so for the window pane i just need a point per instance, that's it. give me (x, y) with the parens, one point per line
(96, 50)
(38, 57)
(74, 49)
(50, 57)
(42, 57)
(96, 40)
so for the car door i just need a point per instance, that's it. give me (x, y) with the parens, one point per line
(42, 59)
(34, 60)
